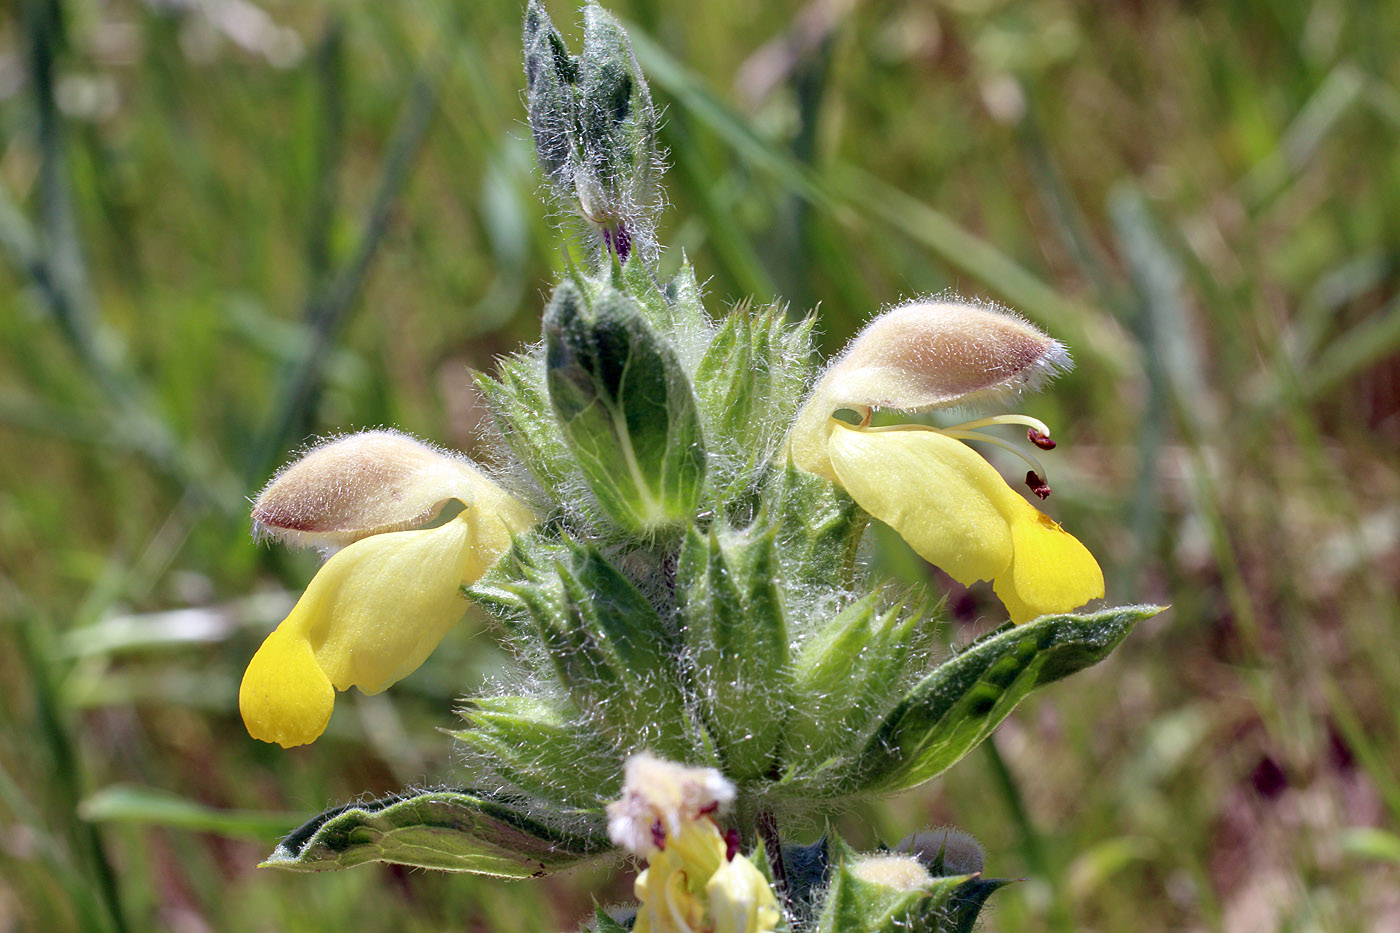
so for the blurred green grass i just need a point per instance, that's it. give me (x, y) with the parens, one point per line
(226, 227)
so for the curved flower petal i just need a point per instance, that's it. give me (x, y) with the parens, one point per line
(932, 354)
(285, 697)
(956, 512)
(377, 609)
(741, 900)
(921, 356)
(941, 497)
(367, 484)
(1051, 571)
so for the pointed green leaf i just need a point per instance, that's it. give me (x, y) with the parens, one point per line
(687, 303)
(821, 527)
(846, 678)
(750, 383)
(626, 409)
(957, 705)
(448, 830)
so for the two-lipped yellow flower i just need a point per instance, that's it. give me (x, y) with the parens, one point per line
(379, 606)
(943, 498)
(695, 881)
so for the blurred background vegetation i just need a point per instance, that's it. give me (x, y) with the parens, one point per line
(228, 225)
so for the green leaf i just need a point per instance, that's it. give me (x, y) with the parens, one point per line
(444, 829)
(125, 803)
(626, 409)
(735, 629)
(686, 302)
(958, 704)
(541, 747)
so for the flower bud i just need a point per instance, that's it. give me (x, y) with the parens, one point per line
(369, 483)
(594, 125)
(900, 872)
(945, 851)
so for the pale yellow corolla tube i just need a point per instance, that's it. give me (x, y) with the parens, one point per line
(380, 605)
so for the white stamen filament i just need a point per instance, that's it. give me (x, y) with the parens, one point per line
(1004, 445)
(1025, 421)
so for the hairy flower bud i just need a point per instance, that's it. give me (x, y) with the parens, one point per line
(901, 872)
(945, 851)
(594, 125)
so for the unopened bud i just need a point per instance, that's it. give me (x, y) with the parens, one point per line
(594, 125)
(900, 872)
(945, 851)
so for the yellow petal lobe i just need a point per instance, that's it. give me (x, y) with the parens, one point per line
(1051, 571)
(285, 697)
(741, 900)
(378, 608)
(942, 498)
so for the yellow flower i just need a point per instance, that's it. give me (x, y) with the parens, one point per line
(379, 606)
(947, 502)
(695, 881)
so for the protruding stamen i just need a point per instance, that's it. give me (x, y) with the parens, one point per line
(731, 844)
(1040, 439)
(989, 439)
(1037, 484)
(1026, 421)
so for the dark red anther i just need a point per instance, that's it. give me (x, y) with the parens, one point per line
(1038, 486)
(658, 834)
(731, 844)
(618, 241)
(1040, 440)
(709, 808)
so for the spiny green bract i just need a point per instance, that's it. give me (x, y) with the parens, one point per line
(666, 602)
(693, 595)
